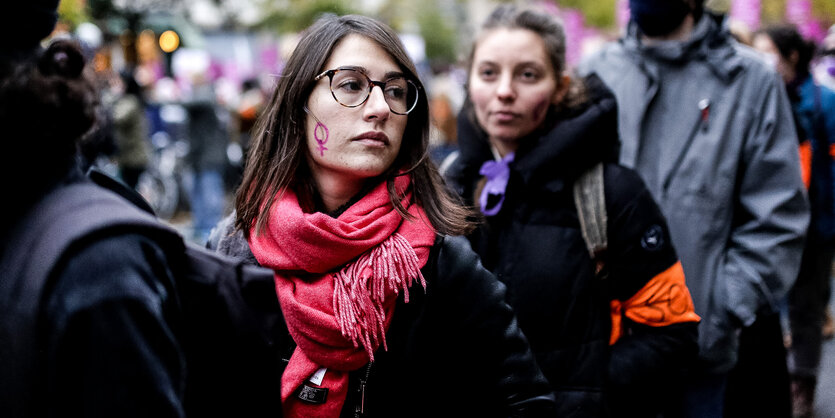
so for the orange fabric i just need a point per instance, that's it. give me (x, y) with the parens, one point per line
(663, 301)
(806, 161)
(249, 112)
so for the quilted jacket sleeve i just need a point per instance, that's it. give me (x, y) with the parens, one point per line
(654, 324)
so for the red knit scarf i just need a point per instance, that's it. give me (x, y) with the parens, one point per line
(337, 281)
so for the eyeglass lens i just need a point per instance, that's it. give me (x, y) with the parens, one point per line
(351, 88)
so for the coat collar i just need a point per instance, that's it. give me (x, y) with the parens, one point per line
(710, 42)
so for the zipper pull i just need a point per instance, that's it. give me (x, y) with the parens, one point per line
(704, 108)
(359, 410)
(362, 398)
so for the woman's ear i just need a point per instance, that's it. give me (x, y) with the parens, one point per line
(563, 84)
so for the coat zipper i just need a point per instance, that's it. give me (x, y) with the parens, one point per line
(359, 409)
(701, 124)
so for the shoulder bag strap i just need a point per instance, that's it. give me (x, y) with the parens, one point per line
(591, 210)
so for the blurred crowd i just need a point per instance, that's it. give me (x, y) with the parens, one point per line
(175, 130)
(178, 131)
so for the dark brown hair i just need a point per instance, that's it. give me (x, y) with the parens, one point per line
(277, 159)
(788, 40)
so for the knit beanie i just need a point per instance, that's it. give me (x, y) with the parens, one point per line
(24, 24)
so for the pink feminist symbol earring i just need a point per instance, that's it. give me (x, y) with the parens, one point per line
(321, 141)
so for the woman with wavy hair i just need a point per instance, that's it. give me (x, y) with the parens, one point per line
(390, 312)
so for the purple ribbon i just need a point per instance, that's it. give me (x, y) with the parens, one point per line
(497, 173)
(829, 63)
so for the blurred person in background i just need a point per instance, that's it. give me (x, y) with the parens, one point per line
(250, 107)
(813, 107)
(130, 129)
(246, 111)
(708, 126)
(444, 137)
(611, 331)
(445, 98)
(208, 137)
(824, 66)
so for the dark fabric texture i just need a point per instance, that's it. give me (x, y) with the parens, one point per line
(754, 390)
(455, 350)
(110, 328)
(534, 245)
(658, 17)
(807, 304)
(111, 314)
(233, 332)
(89, 314)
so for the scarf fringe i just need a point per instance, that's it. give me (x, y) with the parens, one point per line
(358, 298)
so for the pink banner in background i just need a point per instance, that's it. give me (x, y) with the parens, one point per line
(622, 13)
(575, 24)
(747, 12)
(269, 59)
(549, 7)
(799, 12)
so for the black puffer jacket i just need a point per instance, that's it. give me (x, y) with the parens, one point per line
(454, 350)
(535, 247)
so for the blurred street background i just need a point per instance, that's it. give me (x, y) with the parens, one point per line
(183, 81)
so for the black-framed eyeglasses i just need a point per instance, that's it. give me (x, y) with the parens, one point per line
(351, 87)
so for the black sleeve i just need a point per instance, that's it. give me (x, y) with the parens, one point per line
(646, 360)
(110, 323)
(640, 246)
(489, 331)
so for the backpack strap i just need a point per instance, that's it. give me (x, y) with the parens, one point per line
(590, 201)
(68, 215)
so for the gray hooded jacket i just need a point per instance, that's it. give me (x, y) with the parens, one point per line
(708, 126)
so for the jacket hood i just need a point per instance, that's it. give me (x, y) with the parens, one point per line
(573, 141)
(710, 42)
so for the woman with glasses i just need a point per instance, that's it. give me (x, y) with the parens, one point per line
(611, 325)
(389, 313)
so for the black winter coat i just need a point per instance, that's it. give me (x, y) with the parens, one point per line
(535, 247)
(105, 312)
(99, 338)
(454, 350)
